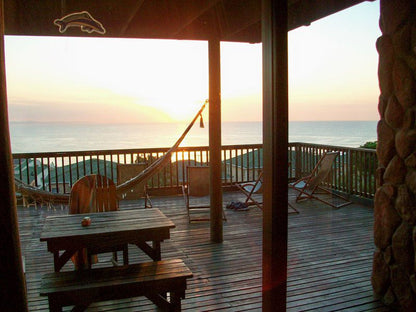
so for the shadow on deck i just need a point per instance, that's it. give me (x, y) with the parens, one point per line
(329, 269)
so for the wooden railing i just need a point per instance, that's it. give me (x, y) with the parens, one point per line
(353, 173)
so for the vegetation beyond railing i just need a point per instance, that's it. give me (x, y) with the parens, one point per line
(353, 173)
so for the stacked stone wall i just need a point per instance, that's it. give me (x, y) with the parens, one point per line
(394, 262)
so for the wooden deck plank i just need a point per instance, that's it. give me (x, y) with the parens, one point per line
(329, 261)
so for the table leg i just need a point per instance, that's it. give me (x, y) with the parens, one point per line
(60, 260)
(126, 255)
(54, 305)
(152, 251)
(56, 264)
(156, 249)
(175, 302)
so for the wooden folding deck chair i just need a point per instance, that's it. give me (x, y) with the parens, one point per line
(310, 186)
(127, 171)
(195, 189)
(94, 193)
(251, 188)
(255, 187)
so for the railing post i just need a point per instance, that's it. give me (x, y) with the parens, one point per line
(349, 176)
(298, 163)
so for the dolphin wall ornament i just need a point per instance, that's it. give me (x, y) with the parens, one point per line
(83, 19)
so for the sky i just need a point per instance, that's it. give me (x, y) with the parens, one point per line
(332, 75)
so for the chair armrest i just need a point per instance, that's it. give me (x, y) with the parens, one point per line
(303, 179)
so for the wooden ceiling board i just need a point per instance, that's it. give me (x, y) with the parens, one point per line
(228, 20)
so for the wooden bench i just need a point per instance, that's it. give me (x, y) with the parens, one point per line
(152, 279)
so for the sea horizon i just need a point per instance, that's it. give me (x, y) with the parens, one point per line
(166, 122)
(35, 136)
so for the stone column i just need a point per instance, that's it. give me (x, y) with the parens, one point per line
(394, 262)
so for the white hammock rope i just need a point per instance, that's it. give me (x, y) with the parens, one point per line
(38, 195)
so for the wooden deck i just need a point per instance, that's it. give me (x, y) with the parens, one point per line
(330, 259)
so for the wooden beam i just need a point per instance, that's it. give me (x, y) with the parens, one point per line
(215, 140)
(131, 16)
(239, 17)
(194, 12)
(275, 159)
(181, 19)
(303, 13)
(13, 288)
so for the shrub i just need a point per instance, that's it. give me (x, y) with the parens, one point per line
(372, 145)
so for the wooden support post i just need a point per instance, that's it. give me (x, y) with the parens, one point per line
(275, 144)
(215, 140)
(13, 286)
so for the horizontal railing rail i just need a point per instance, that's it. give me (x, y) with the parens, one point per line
(353, 172)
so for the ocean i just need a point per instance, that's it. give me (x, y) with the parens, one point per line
(30, 137)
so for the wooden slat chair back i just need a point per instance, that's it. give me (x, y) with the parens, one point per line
(310, 186)
(125, 172)
(94, 193)
(198, 181)
(321, 170)
(197, 185)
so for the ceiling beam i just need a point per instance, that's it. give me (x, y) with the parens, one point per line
(231, 20)
(132, 15)
(240, 21)
(303, 13)
(193, 14)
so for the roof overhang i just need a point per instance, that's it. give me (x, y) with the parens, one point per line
(228, 20)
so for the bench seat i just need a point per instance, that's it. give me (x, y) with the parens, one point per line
(152, 279)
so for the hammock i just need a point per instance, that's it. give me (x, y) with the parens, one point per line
(48, 198)
(159, 163)
(39, 196)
